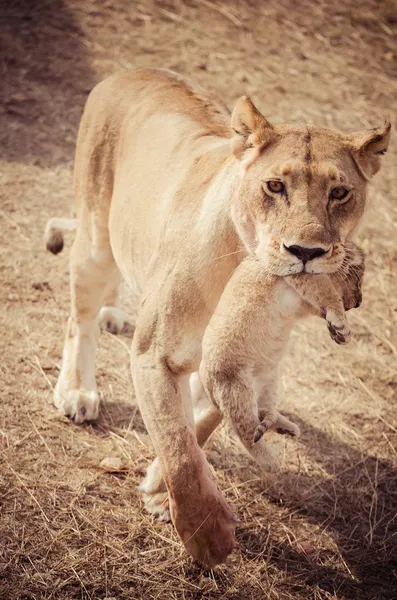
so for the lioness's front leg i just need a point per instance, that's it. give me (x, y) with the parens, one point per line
(206, 420)
(204, 521)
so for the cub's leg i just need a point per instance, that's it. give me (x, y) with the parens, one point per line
(231, 391)
(266, 389)
(349, 278)
(319, 292)
(93, 273)
(244, 334)
(111, 316)
(207, 418)
(331, 295)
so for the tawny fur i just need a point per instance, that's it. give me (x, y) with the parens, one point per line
(53, 235)
(172, 198)
(247, 335)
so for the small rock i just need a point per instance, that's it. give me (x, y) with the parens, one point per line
(41, 285)
(307, 547)
(13, 297)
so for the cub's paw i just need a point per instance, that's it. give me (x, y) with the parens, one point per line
(352, 298)
(111, 319)
(268, 420)
(276, 421)
(338, 327)
(286, 427)
(78, 405)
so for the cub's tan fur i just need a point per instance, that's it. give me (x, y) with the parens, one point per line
(172, 198)
(246, 337)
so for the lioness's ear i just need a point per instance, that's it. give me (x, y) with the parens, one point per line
(368, 146)
(251, 129)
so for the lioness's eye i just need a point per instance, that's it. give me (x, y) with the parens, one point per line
(275, 186)
(339, 193)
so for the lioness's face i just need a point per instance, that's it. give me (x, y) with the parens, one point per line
(302, 194)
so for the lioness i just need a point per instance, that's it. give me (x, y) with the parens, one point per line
(246, 338)
(172, 198)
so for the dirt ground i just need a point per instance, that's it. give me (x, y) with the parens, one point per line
(72, 523)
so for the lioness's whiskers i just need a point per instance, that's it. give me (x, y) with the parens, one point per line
(230, 254)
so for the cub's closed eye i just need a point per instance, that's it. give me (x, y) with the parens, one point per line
(339, 193)
(275, 186)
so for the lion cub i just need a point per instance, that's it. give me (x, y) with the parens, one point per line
(248, 334)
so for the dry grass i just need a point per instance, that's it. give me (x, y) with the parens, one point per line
(71, 521)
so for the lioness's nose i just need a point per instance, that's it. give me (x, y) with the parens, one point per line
(305, 254)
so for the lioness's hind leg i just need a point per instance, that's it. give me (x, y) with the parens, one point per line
(111, 316)
(92, 273)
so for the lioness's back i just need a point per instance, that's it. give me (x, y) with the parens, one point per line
(164, 90)
(140, 141)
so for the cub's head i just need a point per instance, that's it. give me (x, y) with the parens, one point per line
(302, 191)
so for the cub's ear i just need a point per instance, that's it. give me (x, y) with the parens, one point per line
(368, 146)
(250, 128)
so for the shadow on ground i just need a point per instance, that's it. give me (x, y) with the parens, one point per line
(43, 58)
(357, 506)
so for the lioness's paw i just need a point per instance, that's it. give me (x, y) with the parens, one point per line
(153, 483)
(157, 505)
(78, 405)
(206, 527)
(111, 319)
(338, 327)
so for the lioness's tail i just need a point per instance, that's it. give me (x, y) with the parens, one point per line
(53, 235)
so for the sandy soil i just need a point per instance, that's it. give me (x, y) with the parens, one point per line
(71, 520)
